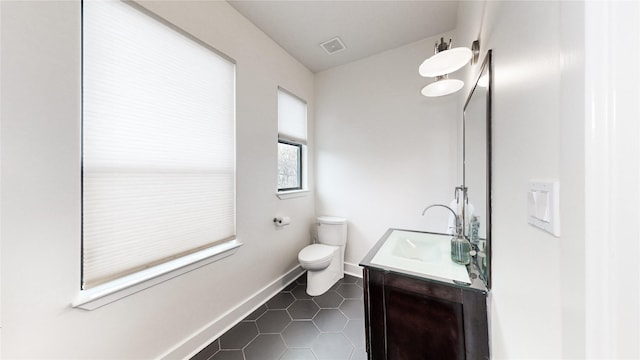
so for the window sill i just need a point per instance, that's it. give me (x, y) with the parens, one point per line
(115, 290)
(283, 195)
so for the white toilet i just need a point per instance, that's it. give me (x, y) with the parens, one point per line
(324, 261)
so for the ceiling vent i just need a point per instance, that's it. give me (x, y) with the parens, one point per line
(333, 46)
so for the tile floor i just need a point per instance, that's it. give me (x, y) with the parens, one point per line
(293, 325)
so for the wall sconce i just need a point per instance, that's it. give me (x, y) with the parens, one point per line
(445, 61)
(442, 86)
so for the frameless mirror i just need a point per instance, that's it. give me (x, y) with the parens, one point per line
(477, 162)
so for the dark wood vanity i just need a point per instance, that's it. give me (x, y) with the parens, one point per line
(413, 316)
(418, 303)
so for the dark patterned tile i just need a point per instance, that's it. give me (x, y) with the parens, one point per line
(273, 321)
(300, 334)
(349, 279)
(208, 351)
(326, 327)
(228, 355)
(330, 320)
(354, 331)
(239, 336)
(350, 291)
(265, 347)
(280, 301)
(303, 310)
(328, 300)
(332, 346)
(257, 313)
(354, 309)
(302, 279)
(300, 292)
(290, 286)
(359, 354)
(298, 354)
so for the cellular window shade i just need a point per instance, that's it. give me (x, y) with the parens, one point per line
(292, 118)
(158, 161)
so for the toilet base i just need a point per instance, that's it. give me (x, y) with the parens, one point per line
(318, 282)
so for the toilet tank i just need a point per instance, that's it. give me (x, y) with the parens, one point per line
(332, 230)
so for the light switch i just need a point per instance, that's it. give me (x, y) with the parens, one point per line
(543, 205)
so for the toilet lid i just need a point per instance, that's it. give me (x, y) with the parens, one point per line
(316, 252)
(334, 220)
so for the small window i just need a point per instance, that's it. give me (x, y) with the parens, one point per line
(289, 166)
(292, 141)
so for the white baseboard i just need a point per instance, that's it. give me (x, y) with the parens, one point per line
(353, 269)
(222, 324)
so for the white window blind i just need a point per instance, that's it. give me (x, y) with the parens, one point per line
(292, 118)
(158, 161)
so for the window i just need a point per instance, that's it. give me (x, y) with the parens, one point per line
(289, 166)
(292, 141)
(158, 151)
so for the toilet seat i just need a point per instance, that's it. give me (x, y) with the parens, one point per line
(316, 256)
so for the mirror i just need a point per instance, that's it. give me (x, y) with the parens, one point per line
(476, 171)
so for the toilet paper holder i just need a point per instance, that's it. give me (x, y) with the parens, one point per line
(281, 220)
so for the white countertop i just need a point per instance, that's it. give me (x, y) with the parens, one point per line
(422, 253)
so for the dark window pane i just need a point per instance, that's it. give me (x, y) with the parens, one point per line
(289, 166)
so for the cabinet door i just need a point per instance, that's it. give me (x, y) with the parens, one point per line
(410, 319)
(375, 314)
(422, 327)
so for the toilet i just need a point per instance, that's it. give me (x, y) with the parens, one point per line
(324, 261)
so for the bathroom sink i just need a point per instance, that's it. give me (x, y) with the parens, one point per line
(422, 253)
(425, 250)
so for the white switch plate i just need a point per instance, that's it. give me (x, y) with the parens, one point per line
(543, 201)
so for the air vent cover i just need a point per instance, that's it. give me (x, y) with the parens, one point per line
(333, 46)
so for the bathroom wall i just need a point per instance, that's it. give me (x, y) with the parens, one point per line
(612, 178)
(40, 149)
(526, 301)
(572, 176)
(537, 305)
(383, 151)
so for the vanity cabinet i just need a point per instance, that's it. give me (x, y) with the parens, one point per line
(409, 317)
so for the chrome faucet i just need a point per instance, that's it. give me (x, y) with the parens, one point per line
(456, 216)
(461, 248)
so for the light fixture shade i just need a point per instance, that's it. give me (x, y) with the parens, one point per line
(445, 62)
(442, 87)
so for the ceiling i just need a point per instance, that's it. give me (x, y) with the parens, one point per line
(365, 27)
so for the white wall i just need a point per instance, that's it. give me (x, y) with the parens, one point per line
(565, 107)
(572, 177)
(526, 306)
(612, 179)
(40, 149)
(383, 151)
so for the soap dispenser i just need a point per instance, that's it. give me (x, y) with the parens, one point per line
(460, 246)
